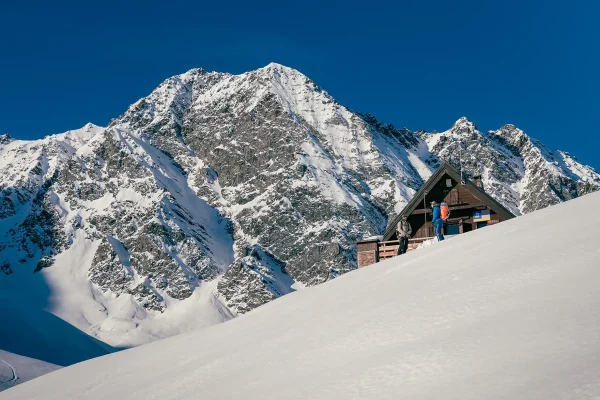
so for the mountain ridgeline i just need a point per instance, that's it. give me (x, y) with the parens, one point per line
(260, 181)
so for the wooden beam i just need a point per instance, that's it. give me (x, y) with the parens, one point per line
(419, 239)
(422, 211)
(462, 207)
(457, 219)
(451, 208)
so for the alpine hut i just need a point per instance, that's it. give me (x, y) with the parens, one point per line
(470, 208)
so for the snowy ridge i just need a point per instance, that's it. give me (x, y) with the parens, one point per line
(430, 324)
(23, 163)
(218, 193)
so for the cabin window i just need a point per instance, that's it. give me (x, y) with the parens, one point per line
(452, 229)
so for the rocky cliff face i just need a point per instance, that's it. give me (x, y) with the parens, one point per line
(260, 181)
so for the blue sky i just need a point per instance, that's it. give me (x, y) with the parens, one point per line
(416, 64)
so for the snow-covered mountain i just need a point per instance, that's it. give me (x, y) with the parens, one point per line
(218, 193)
(490, 314)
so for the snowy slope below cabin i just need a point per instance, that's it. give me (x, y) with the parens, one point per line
(505, 312)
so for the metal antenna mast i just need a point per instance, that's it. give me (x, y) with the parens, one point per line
(462, 181)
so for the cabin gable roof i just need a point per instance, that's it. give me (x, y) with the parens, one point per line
(448, 169)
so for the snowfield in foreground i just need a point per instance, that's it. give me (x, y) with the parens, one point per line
(506, 312)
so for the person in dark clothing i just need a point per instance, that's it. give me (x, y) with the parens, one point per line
(403, 232)
(438, 222)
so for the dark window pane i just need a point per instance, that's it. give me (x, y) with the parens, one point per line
(452, 229)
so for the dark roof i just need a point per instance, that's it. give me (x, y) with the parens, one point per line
(446, 168)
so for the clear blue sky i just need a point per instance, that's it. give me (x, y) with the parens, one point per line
(419, 64)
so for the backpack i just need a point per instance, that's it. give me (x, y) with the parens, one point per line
(444, 211)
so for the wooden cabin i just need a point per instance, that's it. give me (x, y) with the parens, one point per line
(470, 208)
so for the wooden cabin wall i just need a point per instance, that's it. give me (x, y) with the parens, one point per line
(367, 253)
(462, 195)
(420, 230)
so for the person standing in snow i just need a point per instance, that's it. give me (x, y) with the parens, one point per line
(403, 232)
(438, 222)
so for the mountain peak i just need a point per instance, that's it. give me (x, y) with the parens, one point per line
(192, 73)
(276, 66)
(464, 122)
(463, 126)
(89, 126)
(275, 70)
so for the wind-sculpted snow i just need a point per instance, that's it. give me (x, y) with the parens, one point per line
(505, 312)
(219, 193)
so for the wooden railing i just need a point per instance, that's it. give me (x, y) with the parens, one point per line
(389, 248)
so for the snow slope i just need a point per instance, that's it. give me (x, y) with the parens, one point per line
(510, 311)
(34, 342)
(16, 369)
